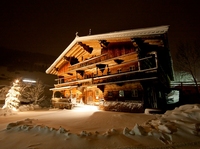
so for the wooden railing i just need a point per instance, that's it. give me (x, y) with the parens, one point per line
(90, 61)
(96, 60)
(148, 64)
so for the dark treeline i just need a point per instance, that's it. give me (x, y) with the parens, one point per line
(24, 60)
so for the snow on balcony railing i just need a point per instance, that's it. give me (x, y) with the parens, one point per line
(88, 62)
(145, 67)
(188, 83)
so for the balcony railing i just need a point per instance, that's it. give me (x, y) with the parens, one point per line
(95, 60)
(90, 61)
(147, 64)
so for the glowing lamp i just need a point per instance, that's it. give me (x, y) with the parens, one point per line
(29, 81)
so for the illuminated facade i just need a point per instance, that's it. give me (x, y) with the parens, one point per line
(126, 66)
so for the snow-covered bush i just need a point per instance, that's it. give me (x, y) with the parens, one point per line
(29, 107)
(121, 106)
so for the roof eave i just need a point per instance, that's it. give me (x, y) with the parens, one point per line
(61, 56)
(127, 33)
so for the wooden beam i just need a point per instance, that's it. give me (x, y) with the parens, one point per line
(78, 52)
(74, 51)
(81, 54)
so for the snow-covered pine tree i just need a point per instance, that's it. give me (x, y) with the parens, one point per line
(12, 101)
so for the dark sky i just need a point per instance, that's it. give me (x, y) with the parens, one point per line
(48, 26)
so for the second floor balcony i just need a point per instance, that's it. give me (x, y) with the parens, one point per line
(144, 68)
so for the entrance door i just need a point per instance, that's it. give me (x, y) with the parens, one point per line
(90, 97)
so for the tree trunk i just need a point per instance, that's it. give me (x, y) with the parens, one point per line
(196, 86)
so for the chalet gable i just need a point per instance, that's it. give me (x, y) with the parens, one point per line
(82, 48)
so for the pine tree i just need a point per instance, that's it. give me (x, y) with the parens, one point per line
(12, 101)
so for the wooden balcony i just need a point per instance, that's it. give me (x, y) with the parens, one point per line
(147, 71)
(92, 62)
(126, 66)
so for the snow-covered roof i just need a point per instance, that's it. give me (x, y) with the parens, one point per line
(113, 35)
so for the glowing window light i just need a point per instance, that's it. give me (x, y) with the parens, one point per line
(29, 81)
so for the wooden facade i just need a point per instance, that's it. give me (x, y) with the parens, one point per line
(127, 66)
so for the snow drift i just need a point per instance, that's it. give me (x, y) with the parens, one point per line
(178, 128)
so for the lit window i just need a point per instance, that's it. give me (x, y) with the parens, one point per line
(121, 93)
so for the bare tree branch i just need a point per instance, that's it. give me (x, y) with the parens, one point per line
(32, 92)
(188, 60)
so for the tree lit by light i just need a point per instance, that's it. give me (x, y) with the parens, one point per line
(17, 81)
(12, 101)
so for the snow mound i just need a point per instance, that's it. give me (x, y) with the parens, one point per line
(7, 111)
(30, 125)
(185, 119)
(29, 107)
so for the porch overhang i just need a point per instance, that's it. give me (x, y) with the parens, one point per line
(62, 88)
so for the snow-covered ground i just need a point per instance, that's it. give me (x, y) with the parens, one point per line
(85, 127)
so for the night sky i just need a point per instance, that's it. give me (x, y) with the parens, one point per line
(48, 26)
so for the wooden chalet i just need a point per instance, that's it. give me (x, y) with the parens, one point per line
(126, 66)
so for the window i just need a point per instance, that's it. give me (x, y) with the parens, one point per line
(121, 93)
(97, 92)
(110, 94)
(119, 70)
(134, 93)
(173, 97)
(132, 68)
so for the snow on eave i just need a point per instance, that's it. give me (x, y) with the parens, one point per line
(62, 88)
(61, 56)
(120, 34)
(127, 33)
